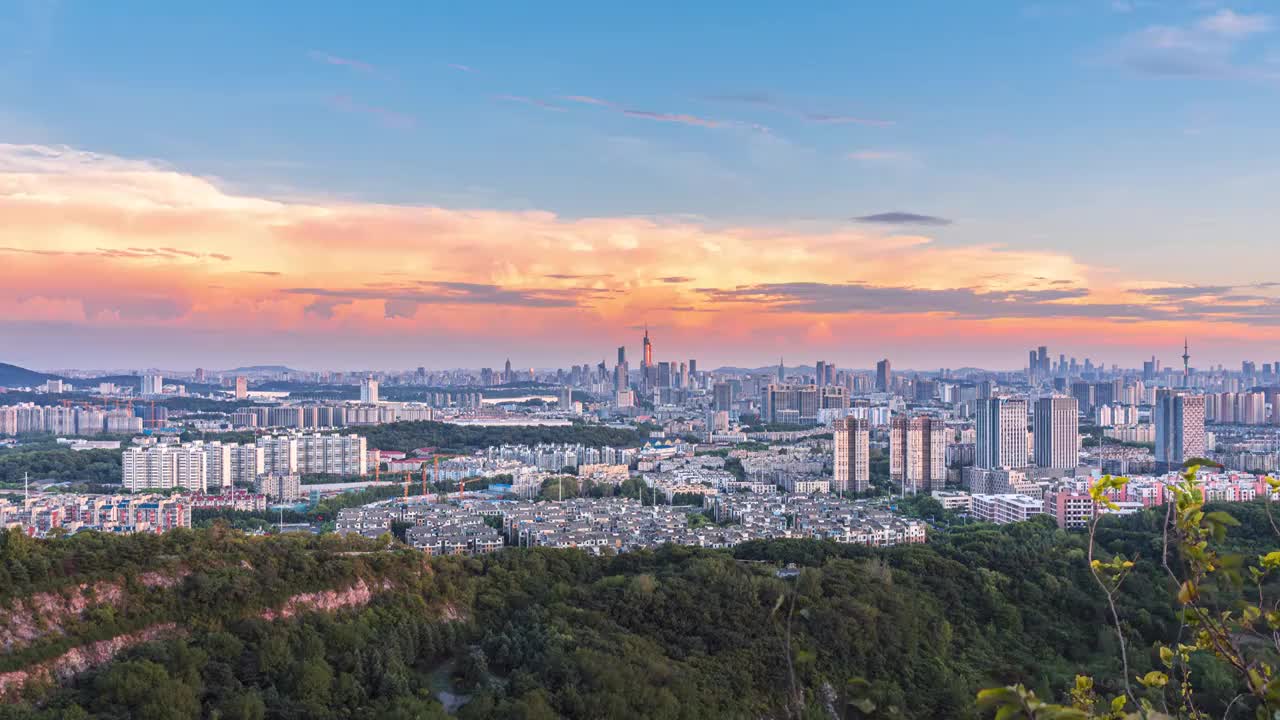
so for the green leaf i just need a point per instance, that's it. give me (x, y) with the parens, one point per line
(1155, 678)
(1222, 518)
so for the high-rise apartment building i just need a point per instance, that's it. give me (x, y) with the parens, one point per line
(314, 453)
(884, 376)
(1057, 433)
(151, 385)
(242, 387)
(279, 454)
(1179, 421)
(851, 455)
(1001, 433)
(918, 453)
(218, 464)
(164, 467)
(247, 463)
(369, 390)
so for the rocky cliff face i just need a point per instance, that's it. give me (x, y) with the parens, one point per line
(79, 659)
(48, 615)
(327, 600)
(51, 614)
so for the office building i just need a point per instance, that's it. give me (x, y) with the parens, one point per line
(918, 453)
(722, 397)
(1001, 433)
(1179, 421)
(1057, 433)
(884, 376)
(851, 449)
(786, 404)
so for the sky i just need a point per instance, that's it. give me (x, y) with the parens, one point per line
(394, 184)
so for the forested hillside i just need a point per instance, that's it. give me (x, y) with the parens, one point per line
(679, 633)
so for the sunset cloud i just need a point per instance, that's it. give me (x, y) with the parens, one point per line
(105, 242)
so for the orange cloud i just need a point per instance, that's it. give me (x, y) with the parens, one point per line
(103, 241)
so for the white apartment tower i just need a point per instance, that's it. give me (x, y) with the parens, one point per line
(218, 465)
(164, 467)
(279, 454)
(369, 390)
(1057, 433)
(247, 463)
(852, 449)
(1002, 433)
(152, 385)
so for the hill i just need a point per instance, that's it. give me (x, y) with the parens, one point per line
(14, 376)
(215, 623)
(259, 370)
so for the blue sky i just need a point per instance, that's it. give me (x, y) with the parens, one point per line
(1129, 134)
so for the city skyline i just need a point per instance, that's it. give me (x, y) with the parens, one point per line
(215, 195)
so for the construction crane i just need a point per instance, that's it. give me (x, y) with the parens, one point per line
(406, 487)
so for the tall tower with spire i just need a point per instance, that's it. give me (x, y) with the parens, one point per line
(782, 370)
(1186, 362)
(648, 347)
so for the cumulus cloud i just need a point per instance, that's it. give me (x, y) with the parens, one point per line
(1210, 47)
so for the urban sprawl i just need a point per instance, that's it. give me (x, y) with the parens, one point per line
(722, 456)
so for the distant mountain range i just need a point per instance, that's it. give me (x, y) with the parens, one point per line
(768, 370)
(14, 376)
(259, 369)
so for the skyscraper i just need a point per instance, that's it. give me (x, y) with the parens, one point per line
(820, 373)
(884, 376)
(722, 396)
(622, 354)
(648, 349)
(242, 387)
(1002, 433)
(918, 453)
(1057, 433)
(1179, 421)
(851, 455)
